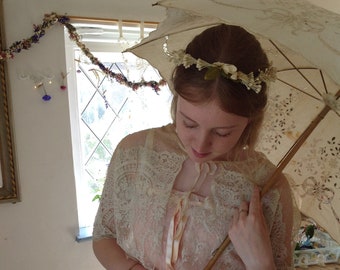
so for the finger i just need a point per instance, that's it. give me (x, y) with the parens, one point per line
(255, 202)
(244, 206)
(243, 210)
(235, 217)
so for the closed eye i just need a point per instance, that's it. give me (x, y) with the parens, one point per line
(187, 122)
(220, 134)
(189, 125)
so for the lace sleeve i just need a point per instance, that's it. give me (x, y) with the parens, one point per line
(104, 221)
(121, 165)
(283, 228)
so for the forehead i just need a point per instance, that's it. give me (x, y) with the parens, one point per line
(209, 113)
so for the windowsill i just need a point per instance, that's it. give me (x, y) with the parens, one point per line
(85, 234)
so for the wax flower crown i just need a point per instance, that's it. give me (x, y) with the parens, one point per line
(228, 71)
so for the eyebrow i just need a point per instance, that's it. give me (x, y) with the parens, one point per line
(226, 127)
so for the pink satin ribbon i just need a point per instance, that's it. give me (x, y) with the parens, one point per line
(175, 234)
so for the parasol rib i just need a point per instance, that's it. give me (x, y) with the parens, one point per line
(295, 67)
(281, 165)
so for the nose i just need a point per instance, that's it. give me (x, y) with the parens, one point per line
(203, 142)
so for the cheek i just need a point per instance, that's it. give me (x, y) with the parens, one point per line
(226, 144)
(183, 134)
(223, 146)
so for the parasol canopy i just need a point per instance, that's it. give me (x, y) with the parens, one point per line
(302, 41)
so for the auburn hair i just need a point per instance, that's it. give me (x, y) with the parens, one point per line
(233, 45)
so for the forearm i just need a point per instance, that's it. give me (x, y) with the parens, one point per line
(111, 256)
(265, 264)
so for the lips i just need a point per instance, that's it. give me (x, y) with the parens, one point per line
(199, 155)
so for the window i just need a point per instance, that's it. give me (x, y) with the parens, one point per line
(102, 110)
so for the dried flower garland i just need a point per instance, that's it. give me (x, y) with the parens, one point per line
(228, 71)
(53, 18)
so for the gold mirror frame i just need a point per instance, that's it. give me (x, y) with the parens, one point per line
(8, 180)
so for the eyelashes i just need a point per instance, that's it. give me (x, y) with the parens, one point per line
(190, 126)
(194, 125)
(223, 135)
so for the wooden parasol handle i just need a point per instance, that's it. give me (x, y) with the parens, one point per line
(281, 165)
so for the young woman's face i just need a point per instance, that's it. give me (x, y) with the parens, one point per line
(207, 132)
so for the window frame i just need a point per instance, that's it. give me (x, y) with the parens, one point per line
(85, 232)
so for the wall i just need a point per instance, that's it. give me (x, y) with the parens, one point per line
(39, 232)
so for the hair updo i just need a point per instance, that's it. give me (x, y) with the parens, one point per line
(232, 45)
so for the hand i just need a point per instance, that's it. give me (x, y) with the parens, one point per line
(138, 267)
(250, 236)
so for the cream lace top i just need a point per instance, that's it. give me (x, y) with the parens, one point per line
(167, 225)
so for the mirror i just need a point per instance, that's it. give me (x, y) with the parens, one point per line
(8, 179)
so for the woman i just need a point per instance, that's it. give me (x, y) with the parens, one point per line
(173, 193)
